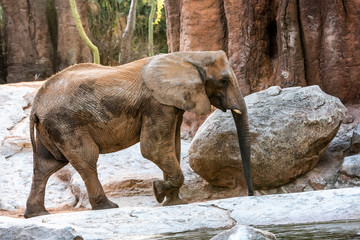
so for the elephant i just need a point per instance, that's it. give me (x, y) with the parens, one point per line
(89, 109)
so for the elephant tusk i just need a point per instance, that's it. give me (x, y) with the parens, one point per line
(237, 111)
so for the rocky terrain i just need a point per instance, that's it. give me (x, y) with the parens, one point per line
(127, 177)
(164, 222)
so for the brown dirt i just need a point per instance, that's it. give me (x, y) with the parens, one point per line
(19, 213)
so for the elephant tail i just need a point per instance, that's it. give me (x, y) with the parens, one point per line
(33, 120)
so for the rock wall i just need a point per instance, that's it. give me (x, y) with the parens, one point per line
(281, 42)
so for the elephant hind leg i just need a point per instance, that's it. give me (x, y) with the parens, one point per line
(84, 160)
(45, 164)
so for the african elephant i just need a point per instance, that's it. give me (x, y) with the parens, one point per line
(88, 109)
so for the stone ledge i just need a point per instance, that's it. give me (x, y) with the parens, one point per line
(294, 208)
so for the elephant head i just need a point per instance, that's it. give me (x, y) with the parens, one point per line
(193, 81)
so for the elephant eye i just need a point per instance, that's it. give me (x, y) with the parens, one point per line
(224, 81)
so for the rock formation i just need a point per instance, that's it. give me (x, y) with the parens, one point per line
(290, 128)
(351, 166)
(355, 139)
(282, 42)
(286, 43)
(34, 231)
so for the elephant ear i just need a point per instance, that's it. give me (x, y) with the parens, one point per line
(175, 81)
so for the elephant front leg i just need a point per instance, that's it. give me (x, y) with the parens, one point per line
(160, 143)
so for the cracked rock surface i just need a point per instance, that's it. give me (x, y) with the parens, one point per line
(146, 222)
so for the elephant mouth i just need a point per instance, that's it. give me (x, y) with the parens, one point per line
(216, 102)
(222, 108)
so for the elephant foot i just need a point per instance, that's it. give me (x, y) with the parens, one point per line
(29, 213)
(163, 189)
(160, 189)
(174, 200)
(105, 204)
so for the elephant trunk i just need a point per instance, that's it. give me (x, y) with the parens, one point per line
(242, 128)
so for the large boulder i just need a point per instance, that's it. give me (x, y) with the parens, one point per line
(290, 130)
(355, 140)
(18, 229)
(351, 166)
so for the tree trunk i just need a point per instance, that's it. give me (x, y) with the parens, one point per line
(70, 47)
(291, 60)
(172, 12)
(41, 38)
(126, 39)
(151, 29)
(2, 50)
(205, 32)
(29, 48)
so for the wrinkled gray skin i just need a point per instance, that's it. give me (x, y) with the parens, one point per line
(89, 109)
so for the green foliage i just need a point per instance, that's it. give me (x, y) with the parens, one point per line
(141, 31)
(105, 26)
(159, 7)
(107, 21)
(1, 16)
